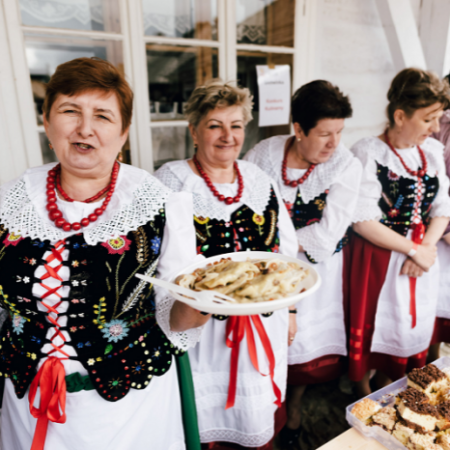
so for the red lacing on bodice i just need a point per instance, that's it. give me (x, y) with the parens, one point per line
(52, 272)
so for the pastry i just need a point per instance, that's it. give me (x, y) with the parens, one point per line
(365, 409)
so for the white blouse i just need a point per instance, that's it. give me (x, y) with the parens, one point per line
(340, 175)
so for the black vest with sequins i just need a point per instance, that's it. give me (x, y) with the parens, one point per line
(110, 317)
(246, 230)
(398, 197)
(305, 214)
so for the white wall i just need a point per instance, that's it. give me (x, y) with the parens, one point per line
(353, 53)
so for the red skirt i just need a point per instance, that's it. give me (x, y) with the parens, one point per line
(320, 370)
(369, 264)
(280, 422)
(441, 331)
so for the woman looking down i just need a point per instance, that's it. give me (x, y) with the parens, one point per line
(403, 210)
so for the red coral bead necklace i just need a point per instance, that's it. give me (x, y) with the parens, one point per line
(54, 182)
(416, 173)
(209, 183)
(293, 183)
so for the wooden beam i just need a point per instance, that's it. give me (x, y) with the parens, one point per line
(434, 31)
(398, 20)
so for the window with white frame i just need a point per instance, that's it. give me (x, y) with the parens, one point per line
(165, 49)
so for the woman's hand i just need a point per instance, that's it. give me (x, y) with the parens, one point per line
(183, 317)
(425, 256)
(411, 269)
(292, 328)
(301, 249)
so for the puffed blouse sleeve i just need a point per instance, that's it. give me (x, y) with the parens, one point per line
(441, 203)
(320, 239)
(177, 251)
(370, 188)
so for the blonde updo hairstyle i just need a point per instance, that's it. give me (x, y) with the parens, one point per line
(217, 94)
(412, 89)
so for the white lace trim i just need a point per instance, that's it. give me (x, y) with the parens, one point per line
(178, 176)
(236, 437)
(137, 200)
(382, 154)
(269, 153)
(364, 212)
(182, 340)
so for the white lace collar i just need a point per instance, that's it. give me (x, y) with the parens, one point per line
(377, 150)
(270, 157)
(178, 176)
(137, 199)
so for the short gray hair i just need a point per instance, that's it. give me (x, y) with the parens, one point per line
(217, 94)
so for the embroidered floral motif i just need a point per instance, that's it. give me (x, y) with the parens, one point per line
(114, 383)
(91, 361)
(393, 212)
(115, 330)
(259, 220)
(12, 239)
(393, 176)
(30, 261)
(156, 244)
(17, 323)
(118, 245)
(201, 220)
(320, 204)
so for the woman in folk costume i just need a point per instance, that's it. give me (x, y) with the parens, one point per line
(236, 208)
(442, 327)
(403, 209)
(87, 349)
(318, 178)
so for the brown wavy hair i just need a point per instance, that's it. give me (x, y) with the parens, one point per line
(413, 89)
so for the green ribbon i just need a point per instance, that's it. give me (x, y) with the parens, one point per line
(188, 406)
(76, 383)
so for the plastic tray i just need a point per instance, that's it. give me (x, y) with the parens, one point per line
(386, 397)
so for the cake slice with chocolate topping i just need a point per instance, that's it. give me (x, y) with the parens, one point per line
(443, 410)
(365, 409)
(428, 379)
(414, 406)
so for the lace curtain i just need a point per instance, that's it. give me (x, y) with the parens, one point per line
(57, 11)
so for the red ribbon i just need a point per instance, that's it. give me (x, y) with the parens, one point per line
(52, 382)
(417, 237)
(240, 326)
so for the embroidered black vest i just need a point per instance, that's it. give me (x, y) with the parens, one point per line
(110, 317)
(246, 230)
(398, 197)
(305, 214)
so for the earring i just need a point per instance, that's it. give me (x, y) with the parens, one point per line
(50, 146)
(299, 139)
(195, 146)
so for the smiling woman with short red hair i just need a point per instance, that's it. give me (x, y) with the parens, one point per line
(88, 344)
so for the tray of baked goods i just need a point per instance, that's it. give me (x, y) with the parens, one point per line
(411, 413)
(242, 283)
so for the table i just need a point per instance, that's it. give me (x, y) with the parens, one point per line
(352, 440)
